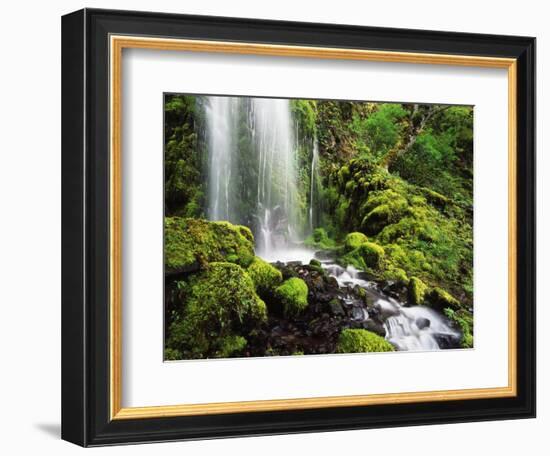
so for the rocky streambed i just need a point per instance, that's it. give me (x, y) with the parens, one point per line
(342, 298)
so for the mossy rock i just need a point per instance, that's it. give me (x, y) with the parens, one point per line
(464, 320)
(417, 291)
(343, 175)
(315, 265)
(436, 199)
(361, 341)
(320, 239)
(439, 299)
(292, 295)
(191, 244)
(265, 276)
(354, 240)
(397, 274)
(383, 209)
(367, 256)
(320, 235)
(220, 307)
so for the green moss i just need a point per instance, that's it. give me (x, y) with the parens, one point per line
(343, 175)
(219, 306)
(435, 198)
(417, 291)
(383, 208)
(354, 240)
(193, 243)
(231, 346)
(171, 354)
(293, 296)
(440, 299)
(367, 256)
(315, 262)
(361, 341)
(265, 276)
(319, 239)
(396, 274)
(465, 321)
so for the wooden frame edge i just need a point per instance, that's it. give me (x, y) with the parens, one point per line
(120, 42)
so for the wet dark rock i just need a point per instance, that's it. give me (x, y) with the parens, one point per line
(422, 323)
(374, 326)
(336, 307)
(446, 341)
(358, 314)
(325, 255)
(393, 288)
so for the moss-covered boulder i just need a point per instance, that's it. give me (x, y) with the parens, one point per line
(292, 295)
(464, 320)
(439, 299)
(265, 276)
(396, 274)
(368, 255)
(191, 244)
(220, 307)
(354, 240)
(320, 239)
(416, 291)
(383, 208)
(361, 341)
(436, 199)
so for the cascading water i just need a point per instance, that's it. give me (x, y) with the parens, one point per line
(273, 137)
(314, 186)
(416, 328)
(265, 128)
(221, 124)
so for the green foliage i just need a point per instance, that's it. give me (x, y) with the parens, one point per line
(305, 112)
(171, 354)
(264, 276)
(440, 299)
(319, 239)
(465, 322)
(367, 256)
(354, 240)
(396, 274)
(361, 341)
(417, 291)
(383, 208)
(219, 307)
(381, 131)
(184, 192)
(293, 296)
(190, 244)
(442, 157)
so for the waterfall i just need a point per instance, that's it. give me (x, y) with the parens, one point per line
(246, 133)
(221, 124)
(314, 186)
(273, 136)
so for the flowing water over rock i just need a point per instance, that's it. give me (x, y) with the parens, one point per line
(221, 123)
(415, 328)
(315, 186)
(271, 182)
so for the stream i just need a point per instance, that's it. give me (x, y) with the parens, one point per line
(408, 328)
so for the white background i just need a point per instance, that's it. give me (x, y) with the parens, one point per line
(30, 241)
(147, 74)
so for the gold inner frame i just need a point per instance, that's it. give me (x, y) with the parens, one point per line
(117, 44)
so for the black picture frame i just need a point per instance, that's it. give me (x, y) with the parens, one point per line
(85, 227)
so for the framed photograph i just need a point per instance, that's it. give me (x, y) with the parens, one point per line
(277, 227)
